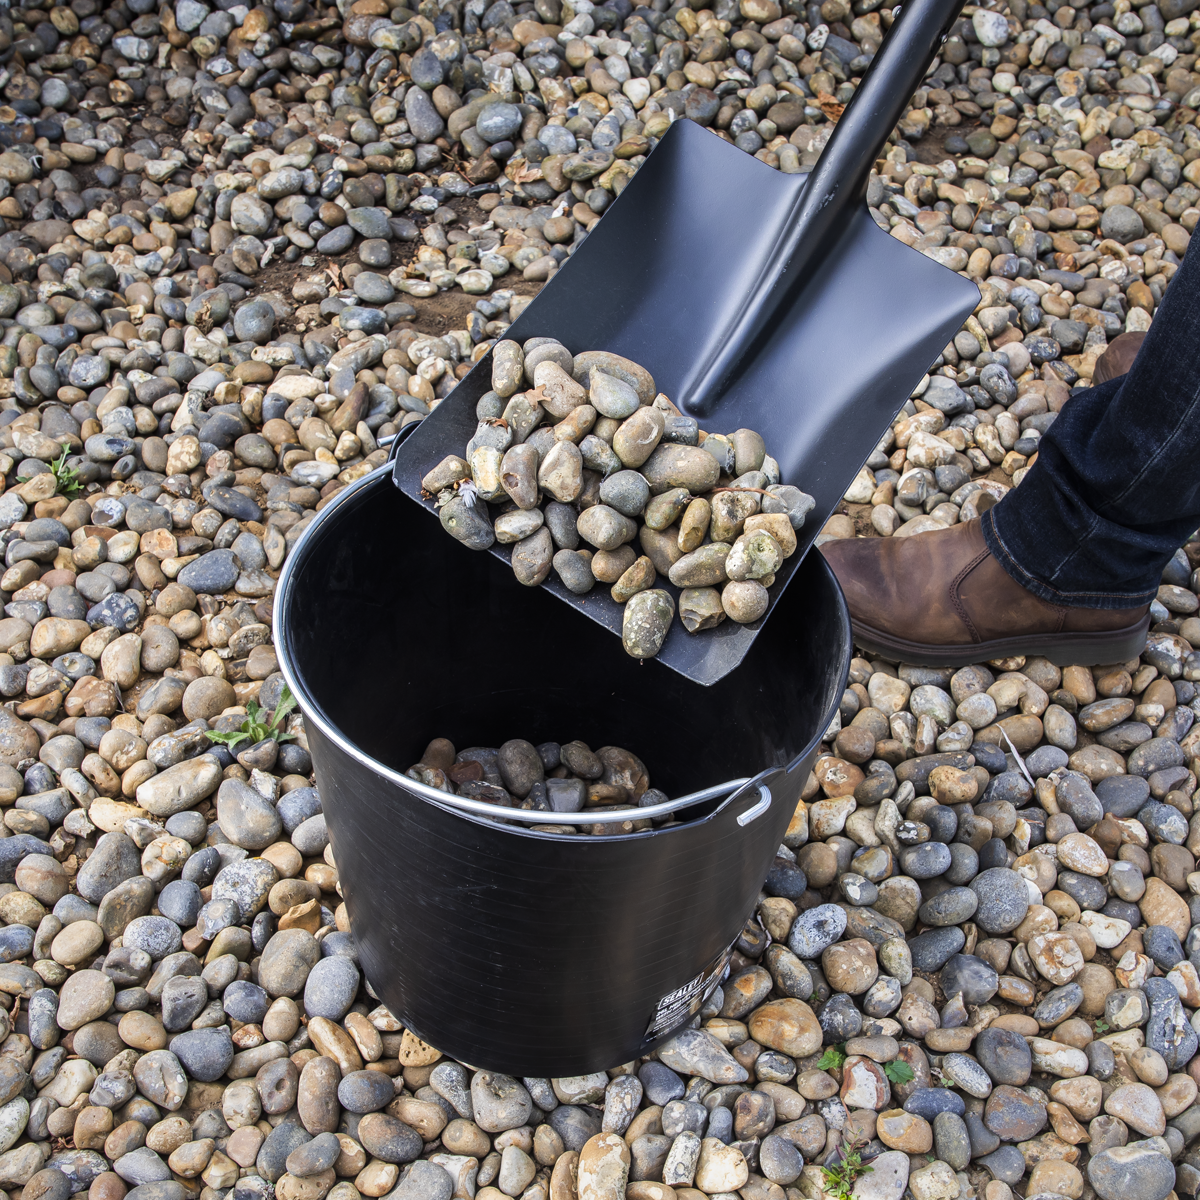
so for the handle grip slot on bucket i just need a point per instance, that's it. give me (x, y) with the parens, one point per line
(757, 810)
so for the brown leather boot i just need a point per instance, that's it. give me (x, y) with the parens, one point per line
(940, 599)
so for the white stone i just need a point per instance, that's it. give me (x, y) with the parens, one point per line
(954, 257)
(887, 1180)
(928, 450)
(297, 387)
(1187, 983)
(991, 28)
(476, 282)
(73, 1079)
(460, 1168)
(1078, 852)
(934, 1182)
(1056, 956)
(1139, 1107)
(887, 693)
(864, 1085)
(421, 288)
(921, 524)
(638, 91)
(1127, 1041)
(862, 489)
(828, 817)
(14, 1116)
(720, 1168)
(1054, 1058)
(18, 1166)
(581, 1089)
(1106, 931)
(180, 786)
(158, 169)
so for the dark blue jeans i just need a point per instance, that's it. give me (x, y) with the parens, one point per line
(1116, 487)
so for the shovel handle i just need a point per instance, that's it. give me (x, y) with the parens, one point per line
(835, 188)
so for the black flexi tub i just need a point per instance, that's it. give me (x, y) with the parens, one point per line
(528, 952)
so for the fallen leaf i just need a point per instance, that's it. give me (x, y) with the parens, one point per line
(829, 105)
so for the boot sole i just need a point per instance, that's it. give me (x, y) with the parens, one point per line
(1062, 649)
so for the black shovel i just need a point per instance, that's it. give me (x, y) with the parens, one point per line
(757, 300)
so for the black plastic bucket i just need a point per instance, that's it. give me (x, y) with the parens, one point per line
(516, 950)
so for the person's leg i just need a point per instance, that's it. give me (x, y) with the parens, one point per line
(1116, 485)
(1067, 563)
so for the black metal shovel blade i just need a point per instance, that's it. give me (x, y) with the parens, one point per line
(662, 276)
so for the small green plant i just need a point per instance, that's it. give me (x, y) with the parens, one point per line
(833, 1058)
(1102, 1026)
(66, 478)
(898, 1072)
(841, 1177)
(256, 728)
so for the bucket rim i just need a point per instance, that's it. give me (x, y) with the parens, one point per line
(516, 821)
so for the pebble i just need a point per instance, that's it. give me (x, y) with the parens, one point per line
(287, 959)
(499, 1102)
(1122, 1171)
(816, 930)
(331, 987)
(969, 976)
(206, 1054)
(1003, 899)
(927, 1103)
(363, 1092)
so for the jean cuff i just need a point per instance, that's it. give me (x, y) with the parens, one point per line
(1002, 554)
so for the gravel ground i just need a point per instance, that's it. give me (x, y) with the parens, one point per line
(239, 247)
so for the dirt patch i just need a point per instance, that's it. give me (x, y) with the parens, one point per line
(450, 310)
(166, 139)
(443, 312)
(995, 475)
(281, 276)
(931, 149)
(468, 210)
(434, 315)
(860, 514)
(85, 176)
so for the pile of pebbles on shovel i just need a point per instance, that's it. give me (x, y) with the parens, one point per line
(576, 450)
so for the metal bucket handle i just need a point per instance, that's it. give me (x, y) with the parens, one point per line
(606, 816)
(392, 441)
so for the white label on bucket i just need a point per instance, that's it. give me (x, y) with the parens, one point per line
(687, 1001)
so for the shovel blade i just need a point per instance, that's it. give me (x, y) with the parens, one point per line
(663, 273)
